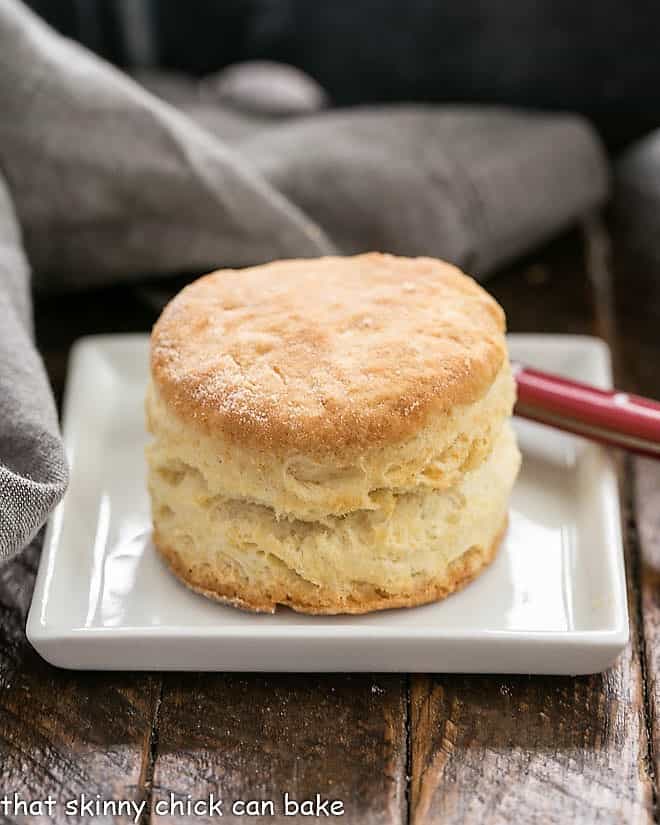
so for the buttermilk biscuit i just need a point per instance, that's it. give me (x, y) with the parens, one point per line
(330, 434)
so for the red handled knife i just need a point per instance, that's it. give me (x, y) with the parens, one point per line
(619, 419)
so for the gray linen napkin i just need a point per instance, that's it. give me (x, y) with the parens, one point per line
(33, 471)
(108, 182)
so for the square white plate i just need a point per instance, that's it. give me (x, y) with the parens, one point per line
(554, 601)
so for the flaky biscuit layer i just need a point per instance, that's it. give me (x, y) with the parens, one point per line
(416, 547)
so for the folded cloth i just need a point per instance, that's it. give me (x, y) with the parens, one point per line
(473, 186)
(109, 182)
(476, 185)
(33, 470)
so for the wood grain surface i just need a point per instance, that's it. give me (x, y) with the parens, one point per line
(637, 309)
(645, 525)
(259, 737)
(553, 750)
(64, 733)
(394, 749)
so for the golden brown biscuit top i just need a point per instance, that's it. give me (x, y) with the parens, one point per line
(328, 354)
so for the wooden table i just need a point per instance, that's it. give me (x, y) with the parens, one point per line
(395, 749)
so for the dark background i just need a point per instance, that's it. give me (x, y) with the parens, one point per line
(601, 59)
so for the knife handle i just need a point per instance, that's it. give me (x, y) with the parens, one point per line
(611, 417)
